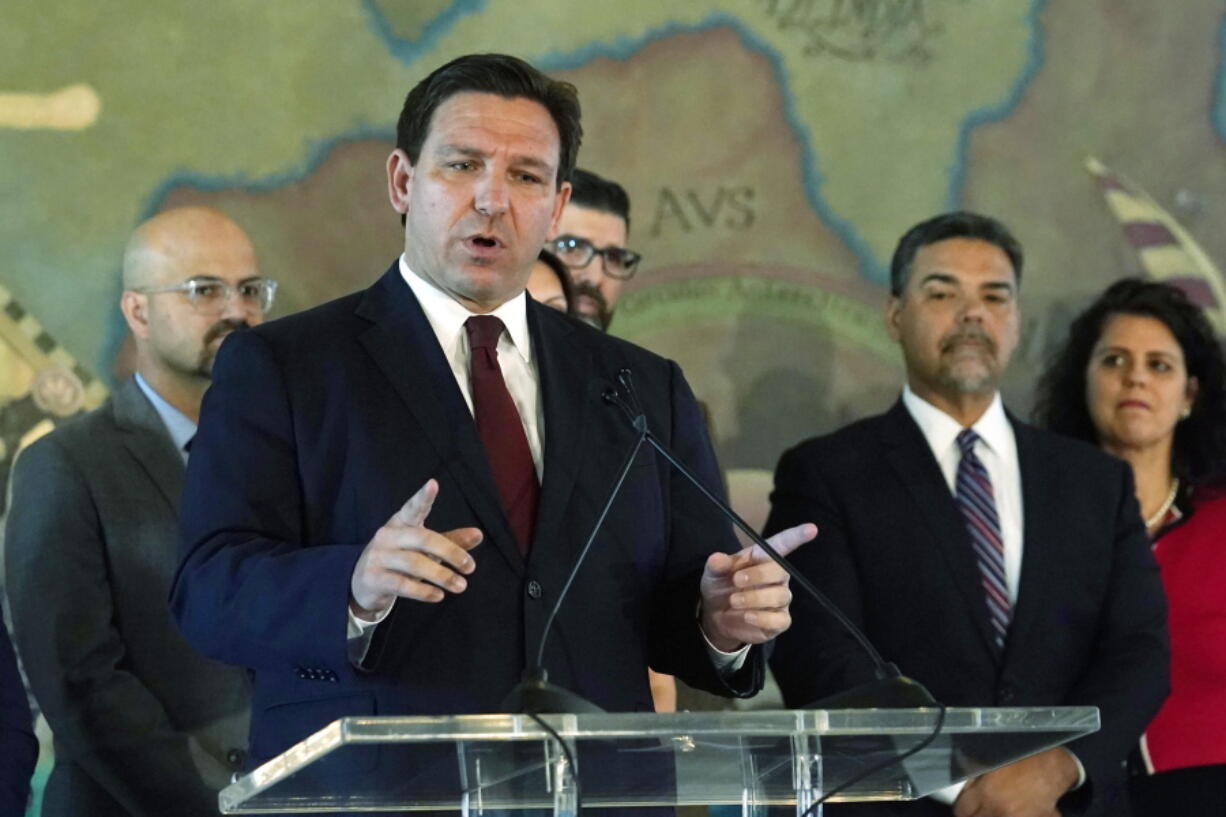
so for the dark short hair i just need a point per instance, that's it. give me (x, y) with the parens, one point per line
(598, 193)
(500, 74)
(563, 272)
(1199, 452)
(960, 224)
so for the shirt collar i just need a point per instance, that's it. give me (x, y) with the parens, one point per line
(447, 315)
(178, 425)
(941, 431)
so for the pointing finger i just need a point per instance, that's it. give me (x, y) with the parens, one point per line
(413, 513)
(786, 541)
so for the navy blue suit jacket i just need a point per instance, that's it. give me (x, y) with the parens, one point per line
(18, 746)
(319, 426)
(1089, 626)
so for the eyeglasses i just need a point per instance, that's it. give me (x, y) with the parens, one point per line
(577, 252)
(210, 296)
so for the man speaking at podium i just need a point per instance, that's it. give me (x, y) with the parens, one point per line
(388, 492)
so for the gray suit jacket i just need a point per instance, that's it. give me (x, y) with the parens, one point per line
(143, 724)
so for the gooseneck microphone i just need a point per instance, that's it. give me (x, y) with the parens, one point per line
(534, 694)
(890, 688)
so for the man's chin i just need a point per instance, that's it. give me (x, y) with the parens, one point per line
(593, 311)
(970, 379)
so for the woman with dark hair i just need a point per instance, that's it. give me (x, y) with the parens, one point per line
(1142, 376)
(549, 283)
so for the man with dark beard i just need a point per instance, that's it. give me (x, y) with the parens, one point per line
(591, 241)
(997, 564)
(143, 725)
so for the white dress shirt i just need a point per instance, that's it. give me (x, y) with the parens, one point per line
(446, 316)
(997, 450)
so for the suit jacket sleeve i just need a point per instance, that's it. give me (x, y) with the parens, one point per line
(248, 591)
(696, 529)
(816, 657)
(103, 716)
(1127, 677)
(18, 746)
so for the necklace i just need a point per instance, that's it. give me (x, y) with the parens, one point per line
(1161, 513)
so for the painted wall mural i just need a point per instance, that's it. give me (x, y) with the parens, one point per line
(773, 149)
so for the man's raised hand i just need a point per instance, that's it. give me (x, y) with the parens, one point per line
(406, 559)
(745, 596)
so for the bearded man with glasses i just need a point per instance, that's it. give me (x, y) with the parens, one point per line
(591, 241)
(143, 724)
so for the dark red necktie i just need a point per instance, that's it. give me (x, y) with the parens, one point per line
(501, 430)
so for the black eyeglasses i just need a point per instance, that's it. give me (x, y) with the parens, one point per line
(209, 296)
(577, 252)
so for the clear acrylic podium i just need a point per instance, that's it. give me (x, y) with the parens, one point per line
(479, 764)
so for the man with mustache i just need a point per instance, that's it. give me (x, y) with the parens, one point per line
(143, 724)
(997, 564)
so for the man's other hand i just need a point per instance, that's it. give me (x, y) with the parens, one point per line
(745, 596)
(1028, 788)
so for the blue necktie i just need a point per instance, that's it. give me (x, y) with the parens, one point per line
(976, 500)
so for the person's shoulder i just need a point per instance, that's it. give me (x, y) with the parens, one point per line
(1062, 452)
(1210, 500)
(73, 446)
(313, 325)
(567, 329)
(849, 444)
(83, 431)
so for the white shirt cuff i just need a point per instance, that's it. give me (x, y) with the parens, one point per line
(949, 794)
(725, 663)
(1081, 770)
(359, 632)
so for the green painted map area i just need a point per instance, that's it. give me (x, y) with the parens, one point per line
(769, 146)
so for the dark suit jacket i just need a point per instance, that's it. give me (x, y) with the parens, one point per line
(320, 425)
(18, 746)
(893, 553)
(140, 719)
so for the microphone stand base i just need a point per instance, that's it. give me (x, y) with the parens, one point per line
(539, 697)
(893, 692)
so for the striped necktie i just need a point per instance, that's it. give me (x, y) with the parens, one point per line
(977, 501)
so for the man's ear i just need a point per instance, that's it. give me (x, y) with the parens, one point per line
(558, 206)
(399, 180)
(135, 309)
(893, 313)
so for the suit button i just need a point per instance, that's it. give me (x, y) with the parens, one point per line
(534, 590)
(236, 758)
(1006, 695)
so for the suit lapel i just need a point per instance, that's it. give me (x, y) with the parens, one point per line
(404, 346)
(146, 438)
(564, 367)
(1040, 532)
(916, 467)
